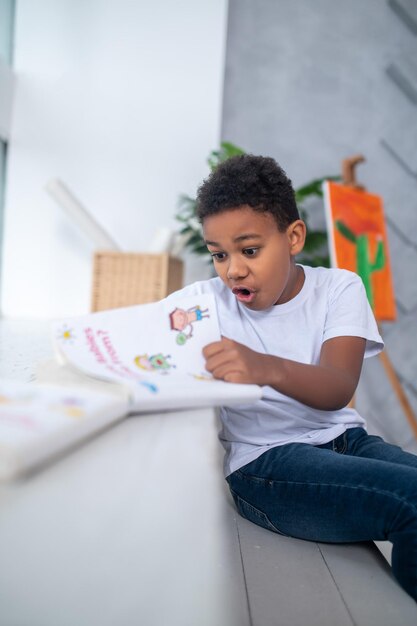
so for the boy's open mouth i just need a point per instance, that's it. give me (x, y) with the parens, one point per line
(243, 294)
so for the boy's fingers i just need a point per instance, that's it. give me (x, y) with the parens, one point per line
(221, 362)
(212, 348)
(216, 360)
(226, 371)
(216, 346)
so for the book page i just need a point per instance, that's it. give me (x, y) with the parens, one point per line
(37, 421)
(155, 349)
(141, 343)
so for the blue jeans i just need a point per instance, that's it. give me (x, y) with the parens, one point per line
(355, 488)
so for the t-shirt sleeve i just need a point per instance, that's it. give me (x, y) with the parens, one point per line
(349, 313)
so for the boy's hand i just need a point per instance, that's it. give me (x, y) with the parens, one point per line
(327, 385)
(235, 363)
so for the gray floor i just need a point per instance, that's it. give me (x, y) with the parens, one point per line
(293, 582)
(120, 531)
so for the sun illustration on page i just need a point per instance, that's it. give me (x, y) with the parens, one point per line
(66, 334)
(182, 320)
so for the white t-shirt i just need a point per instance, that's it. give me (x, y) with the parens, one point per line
(331, 303)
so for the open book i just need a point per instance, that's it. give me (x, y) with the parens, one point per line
(114, 363)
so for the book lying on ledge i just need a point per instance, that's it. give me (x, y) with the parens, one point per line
(112, 364)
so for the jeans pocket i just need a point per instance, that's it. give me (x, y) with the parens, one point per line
(251, 513)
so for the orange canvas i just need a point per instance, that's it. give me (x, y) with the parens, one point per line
(358, 242)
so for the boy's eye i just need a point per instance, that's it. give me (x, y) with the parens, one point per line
(250, 251)
(218, 256)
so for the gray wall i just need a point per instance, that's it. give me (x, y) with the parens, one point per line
(311, 82)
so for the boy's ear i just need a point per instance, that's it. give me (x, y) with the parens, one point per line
(296, 233)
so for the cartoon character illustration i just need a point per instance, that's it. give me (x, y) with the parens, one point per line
(153, 363)
(182, 320)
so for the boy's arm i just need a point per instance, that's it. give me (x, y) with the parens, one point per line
(328, 386)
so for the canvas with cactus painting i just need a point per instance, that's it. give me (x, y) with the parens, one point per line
(358, 242)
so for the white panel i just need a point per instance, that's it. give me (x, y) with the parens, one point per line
(6, 91)
(120, 100)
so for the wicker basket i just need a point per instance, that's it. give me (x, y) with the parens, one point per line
(123, 279)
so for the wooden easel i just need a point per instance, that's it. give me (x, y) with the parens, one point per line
(349, 179)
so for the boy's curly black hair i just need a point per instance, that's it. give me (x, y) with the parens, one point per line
(251, 180)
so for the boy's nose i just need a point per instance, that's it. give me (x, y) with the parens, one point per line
(236, 269)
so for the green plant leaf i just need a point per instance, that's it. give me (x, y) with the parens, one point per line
(226, 151)
(314, 261)
(196, 238)
(313, 188)
(198, 249)
(185, 230)
(315, 239)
